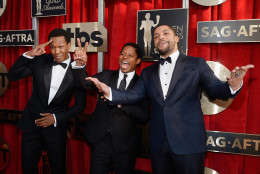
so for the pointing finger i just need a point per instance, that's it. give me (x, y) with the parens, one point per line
(249, 66)
(47, 43)
(43, 114)
(90, 79)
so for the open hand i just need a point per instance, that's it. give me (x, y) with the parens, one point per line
(236, 76)
(46, 120)
(102, 87)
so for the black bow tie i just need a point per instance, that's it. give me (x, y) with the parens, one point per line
(162, 60)
(64, 65)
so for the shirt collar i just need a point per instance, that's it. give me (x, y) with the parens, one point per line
(130, 75)
(67, 61)
(174, 56)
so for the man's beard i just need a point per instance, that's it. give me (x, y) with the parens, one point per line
(163, 51)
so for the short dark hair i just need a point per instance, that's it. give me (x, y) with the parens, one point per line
(169, 26)
(59, 32)
(136, 47)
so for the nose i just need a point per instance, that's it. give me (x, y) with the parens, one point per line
(125, 56)
(161, 36)
(57, 50)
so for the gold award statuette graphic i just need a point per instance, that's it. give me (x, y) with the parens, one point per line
(147, 26)
(39, 7)
(212, 107)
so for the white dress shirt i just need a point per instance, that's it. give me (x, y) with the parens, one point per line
(165, 72)
(57, 75)
(130, 75)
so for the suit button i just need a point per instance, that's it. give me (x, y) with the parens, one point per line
(109, 132)
(165, 108)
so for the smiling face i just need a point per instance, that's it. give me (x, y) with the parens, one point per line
(165, 40)
(59, 48)
(128, 59)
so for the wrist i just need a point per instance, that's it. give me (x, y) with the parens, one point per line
(28, 53)
(234, 88)
(80, 64)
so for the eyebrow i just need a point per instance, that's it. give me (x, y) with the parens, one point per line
(57, 44)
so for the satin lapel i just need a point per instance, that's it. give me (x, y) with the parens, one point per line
(66, 82)
(132, 82)
(180, 64)
(114, 79)
(156, 78)
(47, 77)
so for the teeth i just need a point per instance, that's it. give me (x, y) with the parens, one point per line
(162, 43)
(125, 62)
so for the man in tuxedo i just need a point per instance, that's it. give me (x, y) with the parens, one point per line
(112, 129)
(45, 118)
(174, 85)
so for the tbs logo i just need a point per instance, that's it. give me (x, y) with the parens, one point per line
(92, 32)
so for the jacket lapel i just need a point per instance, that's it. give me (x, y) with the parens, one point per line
(156, 78)
(47, 77)
(114, 79)
(180, 64)
(132, 82)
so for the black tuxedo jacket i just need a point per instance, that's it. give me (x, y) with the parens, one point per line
(40, 68)
(179, 116)
(123, 122)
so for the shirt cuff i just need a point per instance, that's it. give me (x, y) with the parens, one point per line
(55, 122)
(75, 66)
(29, 57)
(110, 97)
(233, 92)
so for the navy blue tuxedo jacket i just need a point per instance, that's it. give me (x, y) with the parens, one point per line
(40, 68)
(179, 117)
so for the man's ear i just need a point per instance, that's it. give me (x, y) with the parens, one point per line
(138, 60)
(176, 39)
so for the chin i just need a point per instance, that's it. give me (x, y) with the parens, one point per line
(59, 60)
(124, 71)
